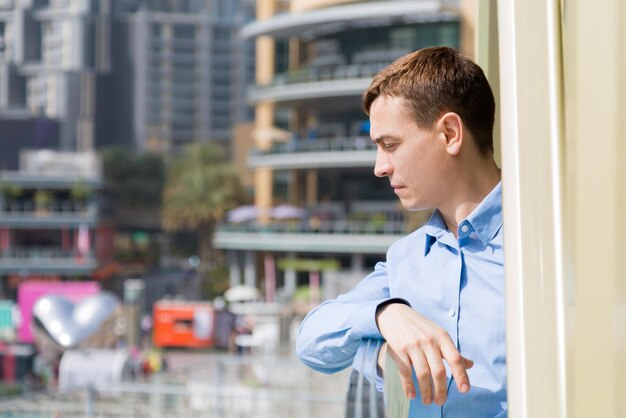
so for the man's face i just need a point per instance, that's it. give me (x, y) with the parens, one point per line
(412, 158)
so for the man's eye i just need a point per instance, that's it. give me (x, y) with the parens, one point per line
(389, 146)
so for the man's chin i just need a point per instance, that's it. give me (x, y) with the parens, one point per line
(410, 206)
(413, 206)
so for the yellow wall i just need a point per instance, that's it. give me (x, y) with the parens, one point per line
(563, 106)
(595, 47)
(243, 144)
(468, 10)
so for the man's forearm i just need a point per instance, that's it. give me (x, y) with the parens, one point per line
(331, 334)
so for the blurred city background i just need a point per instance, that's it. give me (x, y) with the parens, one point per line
(181, 181)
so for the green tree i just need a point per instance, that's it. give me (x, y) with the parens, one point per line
(200, 186)
(133, 179)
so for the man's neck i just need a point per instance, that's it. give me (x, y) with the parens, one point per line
(466, 195)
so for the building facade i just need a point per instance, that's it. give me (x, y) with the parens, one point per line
(148, 75)
(312, 149)
(51, 54)
(179, 73)
(50, 224)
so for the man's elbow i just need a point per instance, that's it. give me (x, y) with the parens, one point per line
(321, 360)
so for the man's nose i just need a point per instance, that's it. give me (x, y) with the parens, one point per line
(383, 166)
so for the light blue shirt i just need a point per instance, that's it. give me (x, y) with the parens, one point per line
(456, 283)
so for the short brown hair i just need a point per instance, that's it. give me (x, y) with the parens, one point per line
(437, 80)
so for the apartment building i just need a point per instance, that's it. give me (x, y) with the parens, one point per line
(179, 73)
(151, 75)
(50, 224)
(51, 54)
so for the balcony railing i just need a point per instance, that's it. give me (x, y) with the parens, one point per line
(42, 255)
(313, 226)
(25, 215)
(338, 72)
(47, 261)
(57, 208)
(316, 83)
(356, 143)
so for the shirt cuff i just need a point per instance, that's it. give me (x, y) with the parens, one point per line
(363, 319)
(392, 300)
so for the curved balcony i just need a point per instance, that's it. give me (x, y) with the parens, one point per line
(312, 83)
(49, 261)
(318, 153)
(48, 181)
(344, 17)
(22, 214)
(337, 236)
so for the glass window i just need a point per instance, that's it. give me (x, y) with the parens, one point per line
(184, 32)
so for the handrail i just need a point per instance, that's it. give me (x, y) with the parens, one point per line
(334, 72)
(42, 254)
(27, 209)
(353, 143)
(320, 227)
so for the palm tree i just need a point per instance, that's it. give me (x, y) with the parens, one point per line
(200, 186)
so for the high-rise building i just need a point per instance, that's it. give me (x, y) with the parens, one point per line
(152, 75)
(312, 149)
(51, 53)
(178, 73)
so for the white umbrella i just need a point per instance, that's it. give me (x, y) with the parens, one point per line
(242, 214)
(241, 293)
(288, 212)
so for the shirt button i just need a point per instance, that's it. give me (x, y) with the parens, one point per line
(451, 312)
(465, 228)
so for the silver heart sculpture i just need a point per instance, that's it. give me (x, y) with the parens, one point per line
(60, 324)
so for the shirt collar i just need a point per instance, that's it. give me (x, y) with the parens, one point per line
(485, 220)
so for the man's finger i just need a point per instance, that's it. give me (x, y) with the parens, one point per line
(438, 374)
(406, 374)
(422, 371)
(458, 366)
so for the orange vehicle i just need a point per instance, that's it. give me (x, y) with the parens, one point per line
(183, 324)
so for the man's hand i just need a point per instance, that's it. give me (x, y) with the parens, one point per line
(414, 342)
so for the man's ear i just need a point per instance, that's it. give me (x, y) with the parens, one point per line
(451, 129)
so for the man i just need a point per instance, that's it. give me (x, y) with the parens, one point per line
(437, 303)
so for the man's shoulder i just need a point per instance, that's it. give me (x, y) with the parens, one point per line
(410, 242)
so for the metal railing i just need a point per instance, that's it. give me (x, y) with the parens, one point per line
(41, 254)
(314, 226)
(28, 208)
(215, 386)
(355, 143)
(337, 72)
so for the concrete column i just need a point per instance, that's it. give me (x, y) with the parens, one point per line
(263, 180)
(532, 144)
(265, 50)
(293, 188)
(264, 112)
(234, 268)
(249, 270)
(311, 188)
(486, 53)
(468, 9)
(290, 277)
(358, 262)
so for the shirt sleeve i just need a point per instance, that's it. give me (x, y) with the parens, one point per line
(332, 333)
(366, 362)
(366, 358)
